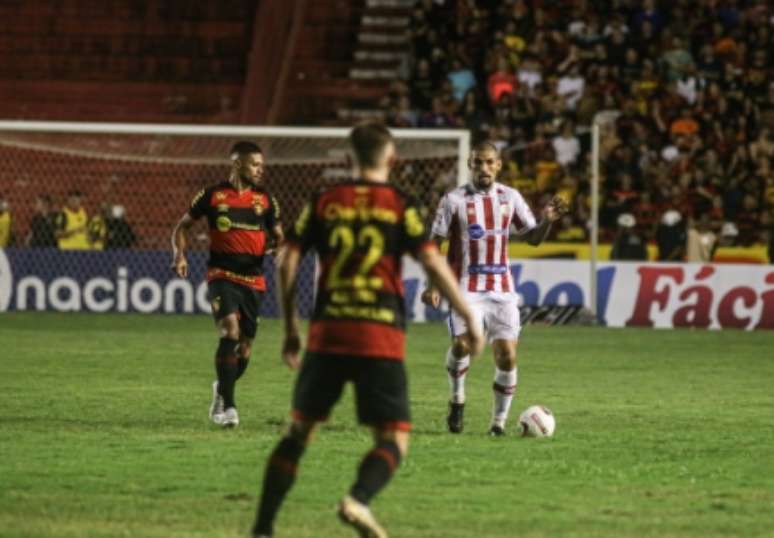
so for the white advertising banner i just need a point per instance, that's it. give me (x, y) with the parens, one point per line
(640, 294)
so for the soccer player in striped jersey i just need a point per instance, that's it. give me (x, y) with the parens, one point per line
(477, 219)
(359, 229)
(244, 221)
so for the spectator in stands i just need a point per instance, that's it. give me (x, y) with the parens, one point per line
(6, 223)
(671, 237)
(43, 225)
(701, 241)
(628, 245)
(119, 232)
(71, 224)
(566, 145)
(462, 80)
(502, 82)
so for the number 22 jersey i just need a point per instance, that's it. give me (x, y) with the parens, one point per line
(360, 230)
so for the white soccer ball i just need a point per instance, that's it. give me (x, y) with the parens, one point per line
(537, 421)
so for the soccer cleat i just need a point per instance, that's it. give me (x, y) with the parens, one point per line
(496, 431)
(216, 407)
(455, 419)
(359, 516)
(228, 418)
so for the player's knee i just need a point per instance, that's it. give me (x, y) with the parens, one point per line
(506, 359)
(461, 347)
(301, 431)
(399, 437)
(229, 327)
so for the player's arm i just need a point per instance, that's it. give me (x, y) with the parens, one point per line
(287, 271)
(444, 281)
(179, 244)
(431, 296)
(553, 211)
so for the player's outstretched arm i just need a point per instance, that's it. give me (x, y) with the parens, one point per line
(287, 272)
(179, 243)
(553, 211)
(431, 296)
(443, 280)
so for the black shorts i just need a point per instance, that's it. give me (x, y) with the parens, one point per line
(381, 389)
(227, 297)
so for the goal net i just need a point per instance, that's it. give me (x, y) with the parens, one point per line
(137, 180)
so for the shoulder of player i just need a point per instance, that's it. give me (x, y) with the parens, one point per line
(505, 190)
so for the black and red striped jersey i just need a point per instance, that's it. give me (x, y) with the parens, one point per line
(360, 230)
(240, 224)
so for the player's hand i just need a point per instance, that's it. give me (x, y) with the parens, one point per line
(431, 297)
(476, 337)
(555, 209)
(180, 266)
(291, 351)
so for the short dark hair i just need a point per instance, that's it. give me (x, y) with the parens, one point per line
(242, 148)
(368, 141)
(484, 145)
(75, 193)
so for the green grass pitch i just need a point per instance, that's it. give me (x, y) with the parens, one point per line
(104, 433)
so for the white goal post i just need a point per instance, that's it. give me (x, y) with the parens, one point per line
(602, 118)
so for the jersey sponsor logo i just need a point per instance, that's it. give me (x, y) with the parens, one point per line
(475, 231)
(222, 207)
(336, 211)
(223, 223)
(488, 269)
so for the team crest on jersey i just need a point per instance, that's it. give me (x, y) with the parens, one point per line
(259, 205)
(220, 196)
(475, 231)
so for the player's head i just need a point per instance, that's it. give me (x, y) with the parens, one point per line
(247, 162)
(74, 200)
(373, 146)
(484, 164)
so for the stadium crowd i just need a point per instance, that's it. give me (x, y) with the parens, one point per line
(68, 228)
(689, 154)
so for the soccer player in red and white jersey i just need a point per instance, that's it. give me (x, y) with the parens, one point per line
(477, 219)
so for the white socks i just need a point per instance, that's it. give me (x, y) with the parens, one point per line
(457, 370)
(503, 387)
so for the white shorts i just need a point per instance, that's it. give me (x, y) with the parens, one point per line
(497, 313)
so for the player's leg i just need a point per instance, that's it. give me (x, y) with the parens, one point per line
(457, 365)
(381, 394)
(249, 312)
(225, 299)
(504, 328)
(244, 351)
(280, 474)
(318, 387)
(504, 385)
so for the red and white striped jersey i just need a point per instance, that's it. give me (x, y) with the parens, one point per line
(477, 225)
